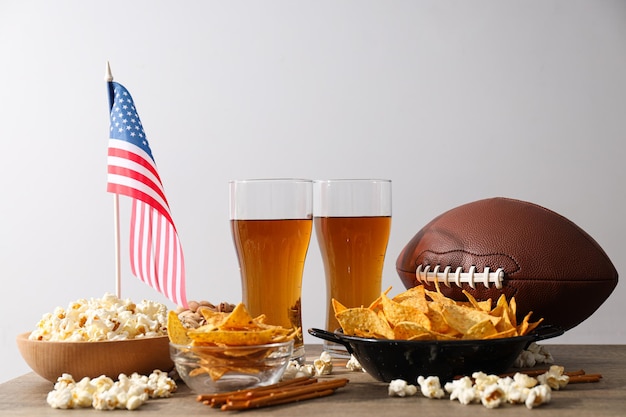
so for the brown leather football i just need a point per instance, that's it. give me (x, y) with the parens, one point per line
(503, 246)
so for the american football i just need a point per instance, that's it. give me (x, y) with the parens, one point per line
(504, 246)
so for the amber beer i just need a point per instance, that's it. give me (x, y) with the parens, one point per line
(271, 256)
(352, 222)
(353, 252)
(271, 222)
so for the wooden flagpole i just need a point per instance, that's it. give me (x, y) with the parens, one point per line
(108, 77)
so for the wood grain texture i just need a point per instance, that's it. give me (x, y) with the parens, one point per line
(363, 396)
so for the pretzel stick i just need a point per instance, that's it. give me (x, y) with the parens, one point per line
(575, 373)
(209, 399)
(537, 372)
(280, 388)
(252, 394)
(577, 379)
(292, 394)
(282, 392)
(301, 397)
(331, 384)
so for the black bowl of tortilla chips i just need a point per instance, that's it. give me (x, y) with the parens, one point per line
(386, 359)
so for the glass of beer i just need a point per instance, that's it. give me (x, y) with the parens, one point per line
(352, 222)
(271, 223)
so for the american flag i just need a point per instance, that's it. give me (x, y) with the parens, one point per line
(156, 255)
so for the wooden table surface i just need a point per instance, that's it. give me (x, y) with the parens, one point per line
(363, 396)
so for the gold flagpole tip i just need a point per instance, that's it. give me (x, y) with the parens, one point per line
(108, 77)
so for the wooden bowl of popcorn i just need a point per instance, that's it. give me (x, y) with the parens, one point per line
(102, 336)
(92, 359)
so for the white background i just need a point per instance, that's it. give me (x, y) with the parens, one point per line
(454, 101)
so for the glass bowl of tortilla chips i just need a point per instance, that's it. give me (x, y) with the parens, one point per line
(231, 351)
(210, 369)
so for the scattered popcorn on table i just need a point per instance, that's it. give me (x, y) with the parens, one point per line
(320, 366)
(555, 378)
(295, 370)
(483, 380)
(324, 364)
(533, 355)
(106, 318)
(515, 394)
(517, 388)
(354, 365)
(400, 388)
(114, 397)
(490, 390)
(524, 381)
(430, 386)
(492, 396)
(102, 393)
(462, 390)
(538, 395)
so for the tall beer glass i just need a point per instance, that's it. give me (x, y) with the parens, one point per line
(271, 224)
(352, 222)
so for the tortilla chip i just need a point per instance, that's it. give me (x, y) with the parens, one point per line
(176, 331)
(396, 313)
(364, 322)
(481, 330)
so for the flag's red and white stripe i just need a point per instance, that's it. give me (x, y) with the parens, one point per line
(155, 249)
(156, 253)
